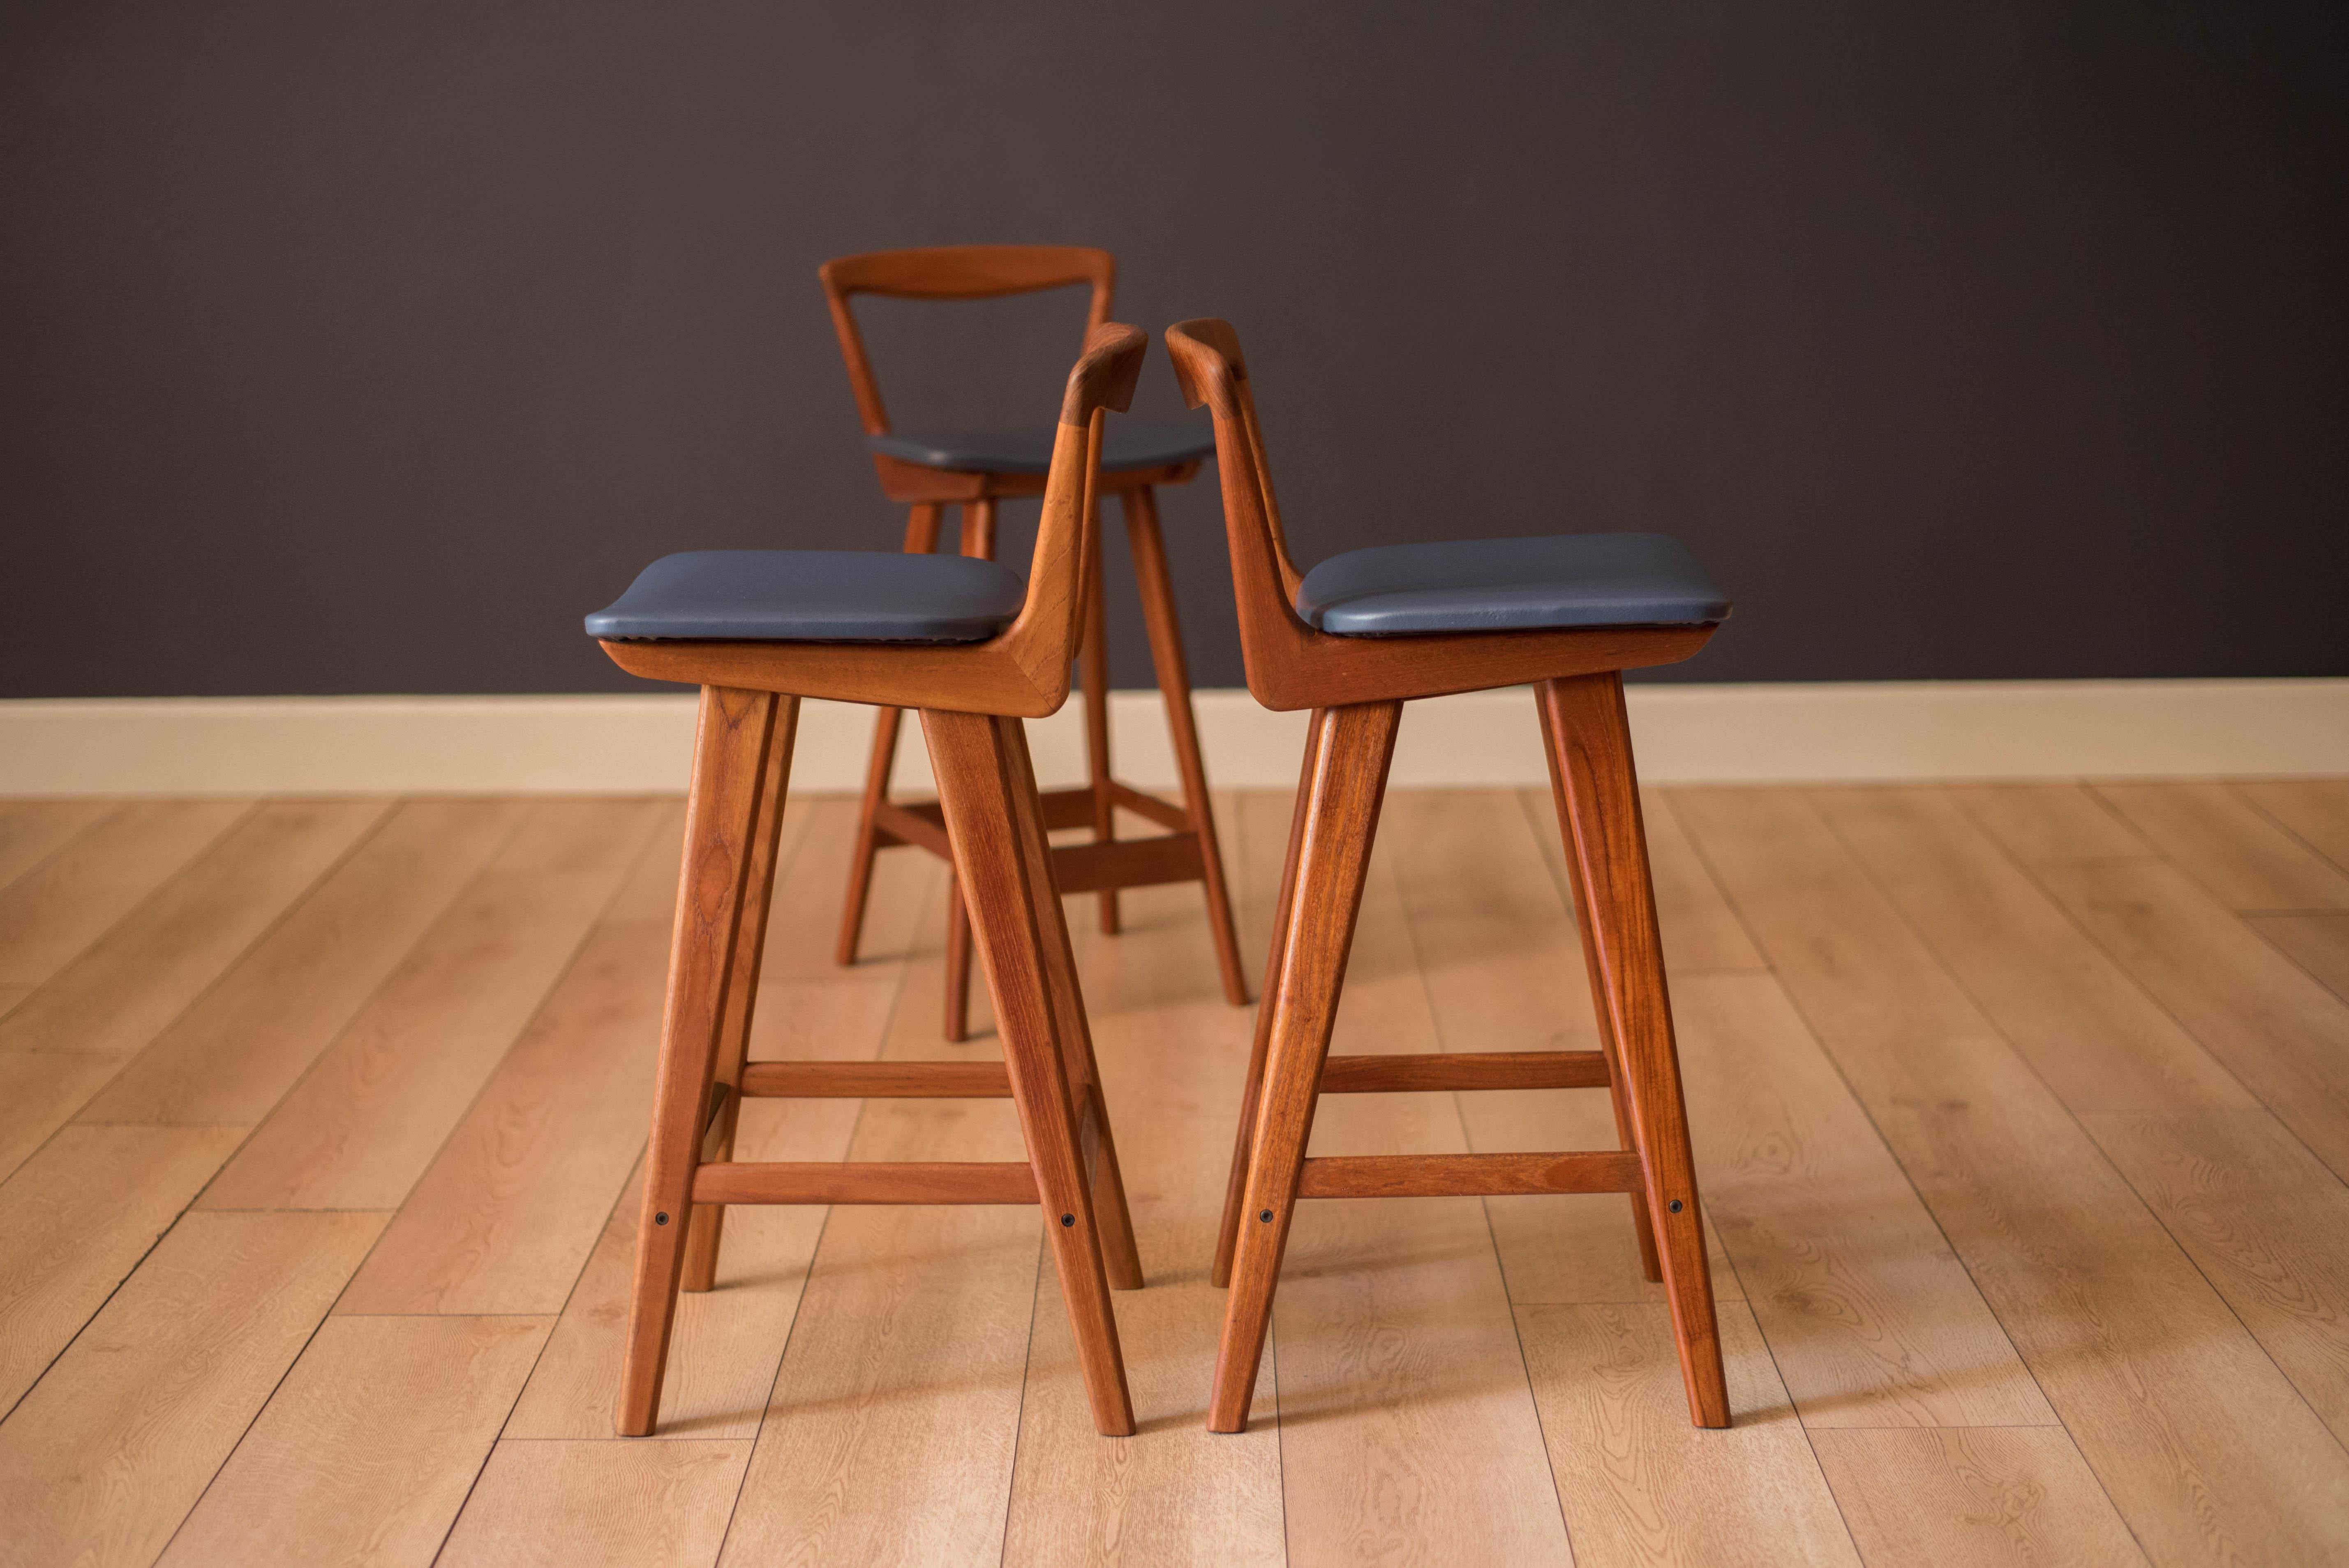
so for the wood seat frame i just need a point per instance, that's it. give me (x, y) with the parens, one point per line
(1187, 851)
(1356, 687)
(971, 698)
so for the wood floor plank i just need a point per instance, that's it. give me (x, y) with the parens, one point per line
(1700, 930)
(358, 1131)
(890, 1433)
(2281, 1033)
(2317, 943)
(1503, 968)
(2040, 823)
(40, 1091)
(1639, 1483)
(1872, 1320)
(504, 1217)
(234, 1054)
(76, 1219)
(1984, 1498)
(73, 897)
(1172, 1053)
(367, 1450)
(2314, 810)
(126, 987)
(727, 1343)
(33, 830)
(2221, 839)
(104, 1459)
(2205, 1448)
(584, 1504)
(1408, 1427)
(2100, 1042)
(2266, 1223)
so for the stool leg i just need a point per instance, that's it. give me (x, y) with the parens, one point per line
(1182, 725)
(1236, 1185)
(977, 539)
(921, 536)
(1651, 1264)
(958, 1016)
(1092, 667)
(703, 1230)
(730, 761)
(979, 528)
(974, 758)
(1120, 1257)
(1348, 783)
(1608, 847)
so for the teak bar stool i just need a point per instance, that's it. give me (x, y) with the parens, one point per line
(976, 468)
(965, 643)
(1353, 640)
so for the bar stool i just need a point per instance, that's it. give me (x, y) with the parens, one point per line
(964, 642)
(1353, 640)
(926, 470)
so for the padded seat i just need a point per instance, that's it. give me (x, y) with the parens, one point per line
(1509, 584)
(1127, 444)
(815, 596)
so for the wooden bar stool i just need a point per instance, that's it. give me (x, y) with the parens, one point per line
(1353, 640)
(963, 641)
(928, 469)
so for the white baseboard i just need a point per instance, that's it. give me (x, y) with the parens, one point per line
(1845, 731)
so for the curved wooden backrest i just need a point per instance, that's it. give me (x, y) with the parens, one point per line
(1289, 665)
(1210, 368)
(1021, 672)
(1043, 640)
(953, 272)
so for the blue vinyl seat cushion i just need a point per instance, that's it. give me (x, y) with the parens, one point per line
(1509, 585)
(815, 596)
(1126, 444)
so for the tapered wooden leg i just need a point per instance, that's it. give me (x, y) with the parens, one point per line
(1348, 783)
(921, 537)
(957, 1013)
(979, 528)
(1182, 724)
(731, 747)
(1236, 1185)
(972, 755)
(1608, 849)
(708, 1223)
(1092, 667)
(1651, 1264)
(1120, 1257)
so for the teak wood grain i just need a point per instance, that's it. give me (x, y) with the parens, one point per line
(977, 272)
(1357, 686)
(996, 831)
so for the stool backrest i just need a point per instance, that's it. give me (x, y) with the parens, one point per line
(953, 272)
(1043, 639)
(1209, 365)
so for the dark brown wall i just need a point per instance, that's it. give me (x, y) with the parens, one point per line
(362, 348)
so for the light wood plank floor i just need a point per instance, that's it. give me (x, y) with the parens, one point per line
(2022, 1114)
